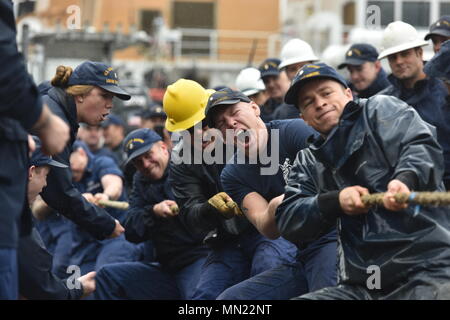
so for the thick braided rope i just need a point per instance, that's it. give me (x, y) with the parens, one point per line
(122, 205)
(421, 198)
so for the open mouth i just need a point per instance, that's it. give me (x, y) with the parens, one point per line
(243, 137)
(104, 116)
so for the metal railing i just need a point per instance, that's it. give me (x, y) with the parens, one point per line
(225, 45)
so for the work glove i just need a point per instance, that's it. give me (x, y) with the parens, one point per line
(225, 205)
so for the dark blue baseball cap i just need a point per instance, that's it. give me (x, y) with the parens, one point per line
(100, 75)
(81, 144)
(308, 72)
(358, 54)
(269, 67)
(138, 142)
(155, 111)
(439, 65)
(113, 119)
(440, 28)
(224, 97)
(39, 159)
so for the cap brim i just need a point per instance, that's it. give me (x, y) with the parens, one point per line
(210, 111)
(292, 94)
(57, 164)
(352, 62)
(118, 91)
(288, 62)
(402, 47)
(270, 73)
(250, 92)
(438, 32)
(137, 153)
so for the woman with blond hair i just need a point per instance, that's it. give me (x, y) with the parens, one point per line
(81, 95)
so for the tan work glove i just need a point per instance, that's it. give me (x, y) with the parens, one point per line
(225, 205)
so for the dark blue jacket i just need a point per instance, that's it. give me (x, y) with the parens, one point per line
(377, 140)
(60, 193)
(36, 280)
(84, 246)
(175, 245)
(20, 108)
(192, 185)
(428, 97)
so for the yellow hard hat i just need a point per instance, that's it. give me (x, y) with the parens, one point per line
(184, 103)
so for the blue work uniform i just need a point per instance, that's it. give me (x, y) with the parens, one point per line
(55, 232)
(36, 280)
(87, 252)
(60, 193)
(428, 98)
(20, 109)
(315, 264)
(179, 253)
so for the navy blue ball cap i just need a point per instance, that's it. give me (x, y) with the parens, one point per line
(39, 159)
(224, 97)
(440, 28)
(358, 54)
(307, 73)
(269, 67)
(155, 111)
(138, 142)
(113, 119)
(100, 75)
(81, 144)
(439, 65)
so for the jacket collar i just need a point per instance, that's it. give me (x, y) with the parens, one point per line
(67, 104)
(419, 86)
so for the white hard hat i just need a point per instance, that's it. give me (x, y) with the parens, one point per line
(399, 36)
(249, 81)
(295, 51)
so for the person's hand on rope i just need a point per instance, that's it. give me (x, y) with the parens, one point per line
(389, 202)
(350, 200)
(223, 203)
(166, 208)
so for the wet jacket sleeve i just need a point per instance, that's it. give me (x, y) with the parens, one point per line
(19, 98)
(140, 223)
(300, 218)
(409, 143)
(36, 280)
(189, 195)
(61, 195)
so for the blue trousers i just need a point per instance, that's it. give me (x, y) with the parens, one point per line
(139, 281)
(237, 261)
(111, 251)
(57, 236)
(9, 278)
(315, 268)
